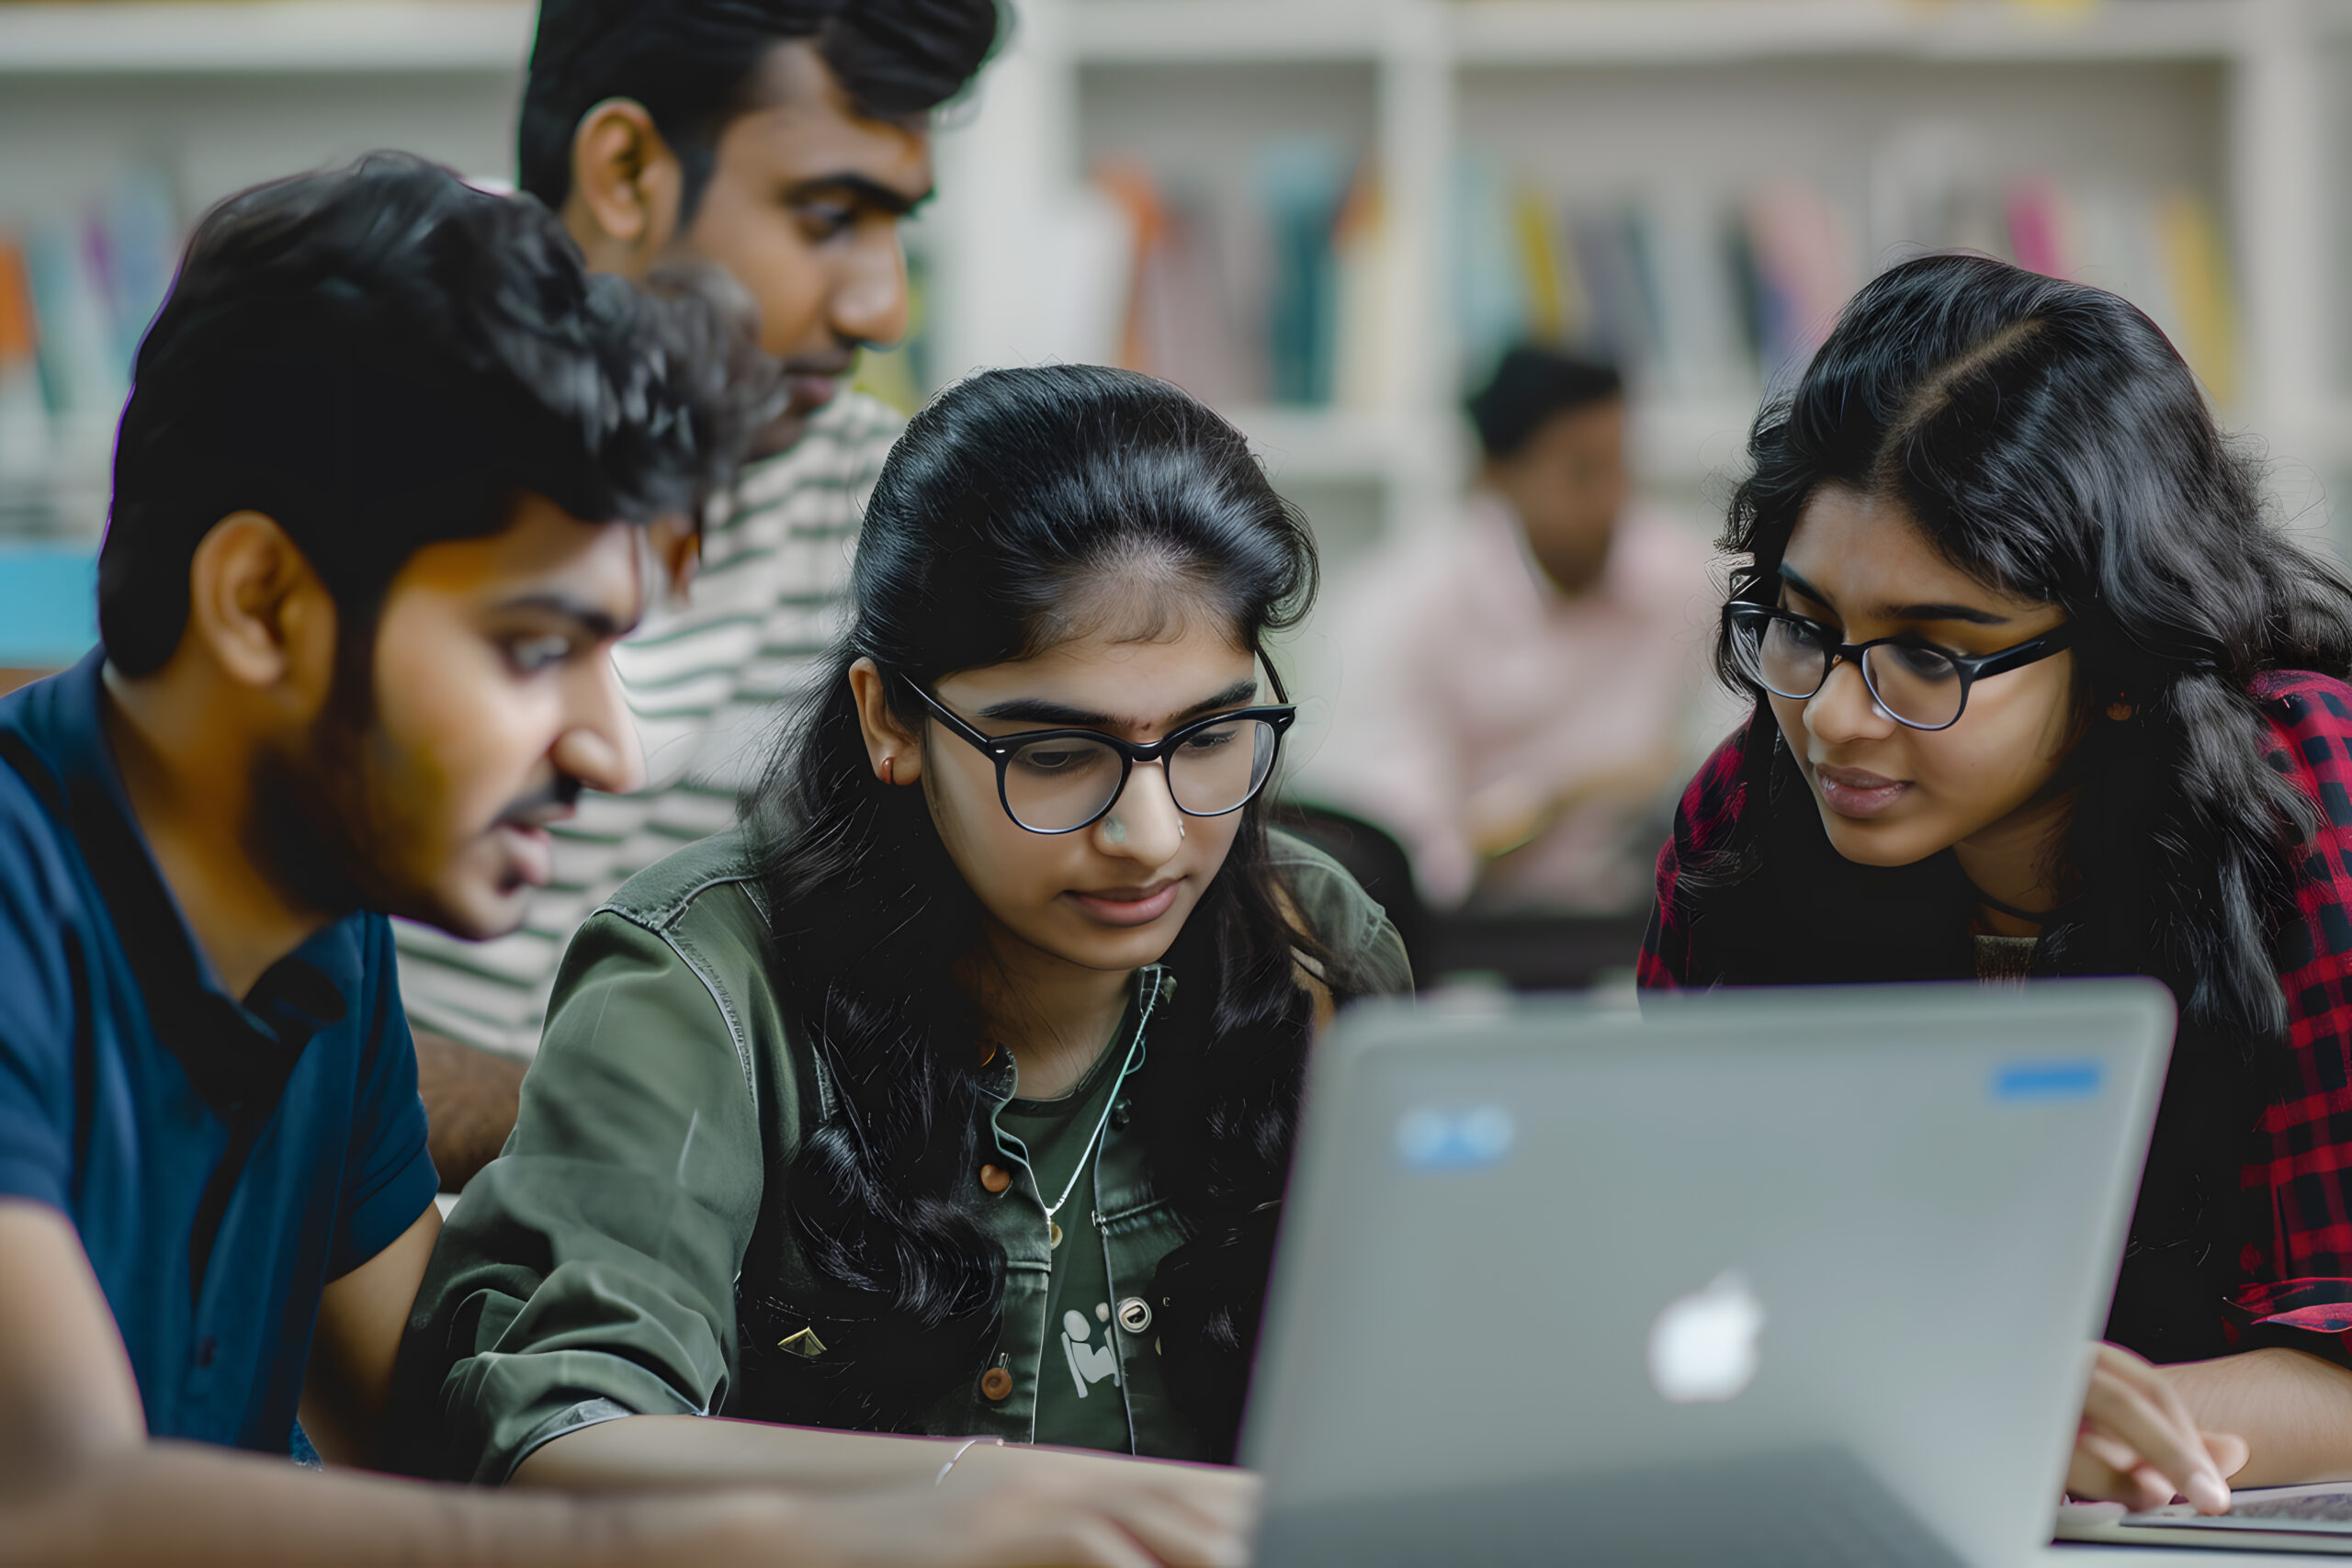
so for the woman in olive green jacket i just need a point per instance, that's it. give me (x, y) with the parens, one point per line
(953, 1093)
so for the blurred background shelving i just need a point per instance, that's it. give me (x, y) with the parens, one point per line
(265, 37)
(1327, 215)
(1762, 156)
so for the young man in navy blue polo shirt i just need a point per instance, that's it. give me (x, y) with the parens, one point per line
(374, 535)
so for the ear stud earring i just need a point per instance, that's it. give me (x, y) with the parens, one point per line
(889, 772)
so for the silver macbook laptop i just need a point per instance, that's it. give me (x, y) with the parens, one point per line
(1769, 1277)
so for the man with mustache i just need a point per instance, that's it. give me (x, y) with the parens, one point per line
(774, 146)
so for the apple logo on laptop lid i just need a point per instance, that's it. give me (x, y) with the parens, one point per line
(1704, 1346)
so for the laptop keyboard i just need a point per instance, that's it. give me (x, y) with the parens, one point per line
(1815, 1510)
(2331, 1508)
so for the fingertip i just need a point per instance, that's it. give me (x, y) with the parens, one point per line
(2207, 1490)
(2150, 1489)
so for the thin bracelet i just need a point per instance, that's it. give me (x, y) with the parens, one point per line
(969, 1444)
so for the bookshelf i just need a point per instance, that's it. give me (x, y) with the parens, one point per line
(1726, 32)
(2235, 100)
(2240, 100)
(265, 37)
(195, 100)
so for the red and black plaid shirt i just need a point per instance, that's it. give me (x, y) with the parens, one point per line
(2298, 1277)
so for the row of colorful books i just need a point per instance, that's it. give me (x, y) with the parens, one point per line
(1706, 296)
(1274, 288)
(77, 290)
(1267, 290)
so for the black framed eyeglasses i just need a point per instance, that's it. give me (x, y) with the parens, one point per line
(1061, 780)
(1913, 683)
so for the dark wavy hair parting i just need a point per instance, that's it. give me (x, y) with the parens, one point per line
(1004, 512)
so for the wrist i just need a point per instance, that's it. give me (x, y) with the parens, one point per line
(731, 1527)
(2291, 1408)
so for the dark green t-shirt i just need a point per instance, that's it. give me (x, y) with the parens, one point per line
(1078, 1402)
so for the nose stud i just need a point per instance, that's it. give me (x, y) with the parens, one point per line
(1113, 831)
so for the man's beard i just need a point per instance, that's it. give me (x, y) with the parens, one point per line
(339, 820)
(323, 826)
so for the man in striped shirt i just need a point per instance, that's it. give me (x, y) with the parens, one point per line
(777, 143)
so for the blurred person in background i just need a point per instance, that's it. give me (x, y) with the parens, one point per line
(380, 502)
(777, 144)
(1521, 689)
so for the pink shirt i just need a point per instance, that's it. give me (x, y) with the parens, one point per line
(1479, 706)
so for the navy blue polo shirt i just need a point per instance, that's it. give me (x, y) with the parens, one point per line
(223, 1160)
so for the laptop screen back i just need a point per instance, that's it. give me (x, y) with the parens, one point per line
(1566, 1275)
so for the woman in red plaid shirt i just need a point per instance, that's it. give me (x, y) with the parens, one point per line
(2043, 692)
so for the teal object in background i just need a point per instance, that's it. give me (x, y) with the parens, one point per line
(1303, 181)
(49, 604)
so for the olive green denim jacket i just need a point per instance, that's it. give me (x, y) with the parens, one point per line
(624, 1248)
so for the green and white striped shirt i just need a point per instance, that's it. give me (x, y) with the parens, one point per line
(706, 679)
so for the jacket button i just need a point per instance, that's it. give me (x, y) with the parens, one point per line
(1135, 1314)
(995, 1178)
(996, 1383)
(1123, 1114)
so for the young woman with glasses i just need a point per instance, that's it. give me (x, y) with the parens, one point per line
(953, 1093)
(2041, 691)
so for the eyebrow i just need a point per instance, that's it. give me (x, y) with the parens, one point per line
(1036, 710)
(600, 626)
(858, 189)
(1967, 612)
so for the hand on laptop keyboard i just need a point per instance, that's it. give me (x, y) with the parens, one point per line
(1065, 1505)
(2138, 1444)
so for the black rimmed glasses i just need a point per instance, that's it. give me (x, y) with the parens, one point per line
(1059, 780)
(1913, 683)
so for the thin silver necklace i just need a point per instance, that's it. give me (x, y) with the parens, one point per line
(1109, 1101)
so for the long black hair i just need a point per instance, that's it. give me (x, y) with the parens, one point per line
(1010, 506)
(2046, 439)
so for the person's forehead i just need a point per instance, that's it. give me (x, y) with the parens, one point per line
(542, 547)
(799, 124)
(1868, 550)
(1584, 425)
(1144, 682)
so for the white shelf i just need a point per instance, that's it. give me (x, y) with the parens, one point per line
(1665, 32)
(1686, 444)
(265, 37)
(1662, 32)
(372, 36)
(280, 36)
(1673, 442)
(1328, 445)
(2324, 437)
(1153, 32)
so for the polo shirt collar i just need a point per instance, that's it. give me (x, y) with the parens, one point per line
(237, 1053)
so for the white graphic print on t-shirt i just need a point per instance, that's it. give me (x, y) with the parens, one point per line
(1089, 1363)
